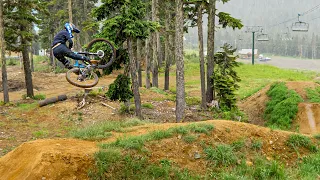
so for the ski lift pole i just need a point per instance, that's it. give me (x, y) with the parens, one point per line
(253, 48)
(253, 30)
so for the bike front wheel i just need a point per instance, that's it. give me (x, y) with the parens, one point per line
(75, 78)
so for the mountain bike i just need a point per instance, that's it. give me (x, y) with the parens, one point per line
(102, 54)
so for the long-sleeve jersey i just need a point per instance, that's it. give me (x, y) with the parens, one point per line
(62, 37)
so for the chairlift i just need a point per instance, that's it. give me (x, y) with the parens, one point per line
(300, 26)
(263, 37)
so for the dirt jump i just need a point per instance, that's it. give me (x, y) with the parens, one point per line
(71, 159)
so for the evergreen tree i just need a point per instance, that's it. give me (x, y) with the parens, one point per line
(123, 21)
(226, 77)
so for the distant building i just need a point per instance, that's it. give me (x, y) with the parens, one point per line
(247, 53)
(12, 55)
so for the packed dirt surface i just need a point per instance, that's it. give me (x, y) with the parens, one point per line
(50, 84)
(308, 118)
(255, 105)
(49, 159)
(71, 159)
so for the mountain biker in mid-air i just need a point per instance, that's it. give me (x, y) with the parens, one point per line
(60, 49)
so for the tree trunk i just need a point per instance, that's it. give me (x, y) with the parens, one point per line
(31, 59)
(167, 52)
(70, 11)
(85, 10)
(148, 67)
(201, 56)
(210, 51)
(180, 95)
(139, 62)
(134, 79)
(155, 63)
(51, 53)
(26, 67)
(3, 58)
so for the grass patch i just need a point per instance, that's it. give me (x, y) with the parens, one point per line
(103, 130)
(268, 170)
(137, 142)
(26, 107)
(313, 95)
(222, 155)
(309, 167)
(147, 105)
(12, 61)
(296, 141)
(157, 90)
(238, 145)
(189, 138)
(317, 136)
(40, 134)
(95, 93)
(282, 107)
(111, 164)
(256, 144)
(193, 101)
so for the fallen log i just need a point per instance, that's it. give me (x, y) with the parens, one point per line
(52, 100)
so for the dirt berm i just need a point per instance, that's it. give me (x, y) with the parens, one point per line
(71, 159)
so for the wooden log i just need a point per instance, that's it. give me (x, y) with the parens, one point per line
(52, 100)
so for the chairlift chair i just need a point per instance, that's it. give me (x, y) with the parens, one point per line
(263, 37)
(300, 26)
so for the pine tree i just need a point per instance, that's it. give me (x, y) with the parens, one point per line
(124, 22)
(2, 58)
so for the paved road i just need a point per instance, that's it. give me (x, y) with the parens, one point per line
(290, 63)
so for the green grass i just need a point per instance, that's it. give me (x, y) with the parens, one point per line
(103, 130)
(40, 134)
(137, 142)
(309, 168)
(222, 155)
(256, 144)
(147, 105)
(254, 78)
(239, 144)
(190, 138)
(26, 107)
(282, 107)
(313, 95)
(297, 140)
(112, 164)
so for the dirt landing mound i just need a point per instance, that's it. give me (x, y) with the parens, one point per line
(66, 159)
(300, 87)
(48, 159)
(255, 105)
(308, 118)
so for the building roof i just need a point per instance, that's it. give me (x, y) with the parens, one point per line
(246, 51)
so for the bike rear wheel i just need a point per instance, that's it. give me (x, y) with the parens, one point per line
(75, 79)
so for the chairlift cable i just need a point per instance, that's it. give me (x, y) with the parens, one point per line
(302, 14)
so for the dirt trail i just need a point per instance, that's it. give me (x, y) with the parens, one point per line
(308, 118)
(71, 159)
(49, 84)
